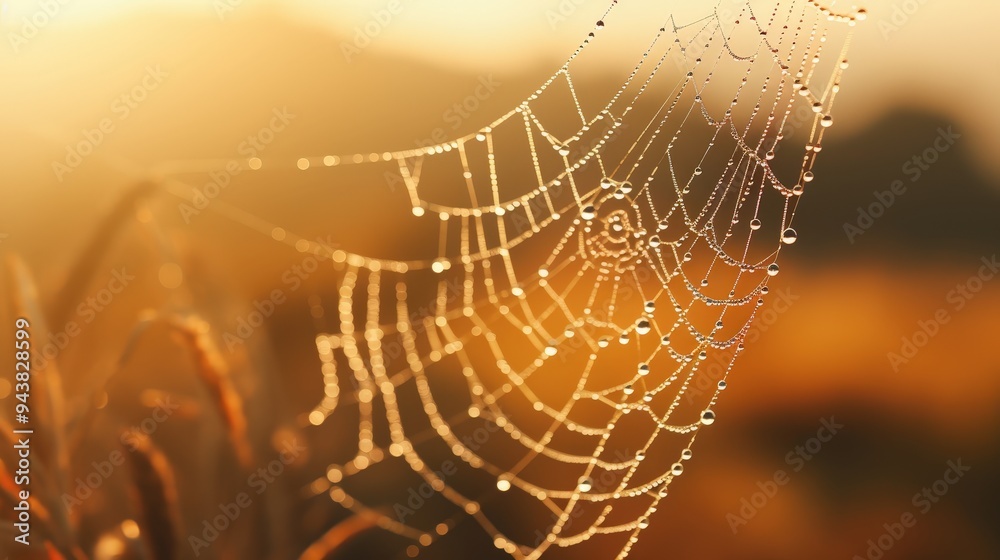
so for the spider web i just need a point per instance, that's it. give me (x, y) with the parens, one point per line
(539, 375)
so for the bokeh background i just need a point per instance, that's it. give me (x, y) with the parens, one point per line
(216, 72)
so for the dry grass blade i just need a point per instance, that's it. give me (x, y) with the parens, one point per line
(83, 269)
(337, 535)
(93, 385)
(211, 371)
(155, 494)
(47, 399)
(214, 375)
(131, 344)
(53, 552)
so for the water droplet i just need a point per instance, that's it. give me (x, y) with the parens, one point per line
(687, 454)
(643, 369)
(563, 150)
(503, 485)
(643, 522)
(626, 187)
(628, 390)
(827, 121)
(755, 224)
(606, 183)
(707, 417)
(665, 340)
(769, 156)
(650, 306)
(543, 272)
(642, 326)
(623, 339)
(654, 241)
(773, 269)
(585, 484)
(697, 171)
(676, 469)
(640, 455)
(551, 350)
(588, 212)
(722, 385)
(600, 24)
(789, 236)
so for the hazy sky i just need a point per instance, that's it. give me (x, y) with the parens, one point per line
(938, 57)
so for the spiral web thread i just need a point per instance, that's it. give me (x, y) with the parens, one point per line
(551, 352)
